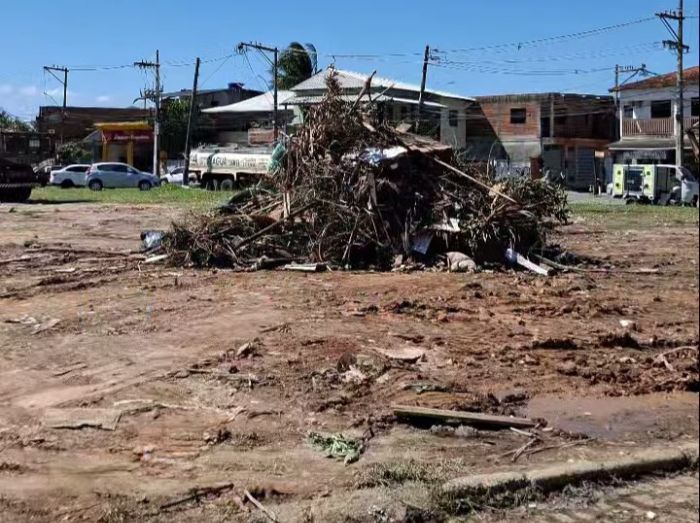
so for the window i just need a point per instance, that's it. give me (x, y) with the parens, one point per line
(77, 169)
(214, 103)
(518, 115)
(560, 120)
(695, 106)
(118, 168)
(453, 117)
(661, 109)
(628, 111)
(404, 112)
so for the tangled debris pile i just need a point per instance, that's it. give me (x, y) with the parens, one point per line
(352, 192)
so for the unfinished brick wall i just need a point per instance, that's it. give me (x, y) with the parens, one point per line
(498, 117)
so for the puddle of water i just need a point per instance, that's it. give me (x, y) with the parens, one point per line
(619, 418)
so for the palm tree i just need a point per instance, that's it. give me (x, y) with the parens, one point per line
(295, 64)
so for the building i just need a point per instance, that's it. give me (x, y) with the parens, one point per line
(79, 122)
(251, 121)
(206, 98)
(209, 128)
(127, 142)
(443, 116)
(647, 118)
(533, 133)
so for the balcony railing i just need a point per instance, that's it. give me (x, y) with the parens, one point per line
(653, 126)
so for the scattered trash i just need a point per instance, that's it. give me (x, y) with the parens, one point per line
(406, 354)
(156, 259)
(48, 324)
(460, 262)
(152, 240)
(514, 257)
(214, 438)
(306, 267)
(337, 446)
(245, 350)
(420, 387)
(629, 325)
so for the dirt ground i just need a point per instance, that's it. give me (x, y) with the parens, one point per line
(124, 384)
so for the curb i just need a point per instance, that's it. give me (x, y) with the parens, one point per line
(558, 476)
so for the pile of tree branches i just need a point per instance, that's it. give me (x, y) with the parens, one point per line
(352, 191)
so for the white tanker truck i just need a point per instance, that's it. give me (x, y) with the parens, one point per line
(223, 168)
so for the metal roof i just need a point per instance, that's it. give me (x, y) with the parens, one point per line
(263, 103)
(690, 76)
(317, 98)
(353, 80)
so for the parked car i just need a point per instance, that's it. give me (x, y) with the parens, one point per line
(70, 176)
(109, 175)
(175, 176)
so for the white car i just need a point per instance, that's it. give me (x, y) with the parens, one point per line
(108, 175)
(69, 176)
(175, 177)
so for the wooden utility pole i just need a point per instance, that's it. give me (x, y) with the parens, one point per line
(424, 76)
(155, 96)
(188, 142)
(680, 48)
(275, 52)
(64, 82)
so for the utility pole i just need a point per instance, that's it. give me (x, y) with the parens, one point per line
(426, 58)
(155, 96)
(680, 48)
(275, 52)
(624, 69)
(188, 143)
(64, 82)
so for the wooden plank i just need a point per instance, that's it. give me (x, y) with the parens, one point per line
(467, 418)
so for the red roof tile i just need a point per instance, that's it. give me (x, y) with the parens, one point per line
(690, 75)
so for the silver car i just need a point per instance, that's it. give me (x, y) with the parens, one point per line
(119, 175)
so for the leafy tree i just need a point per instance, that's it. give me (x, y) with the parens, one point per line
(295, 64)
(12, 123)
(73, 152)
(173, 126)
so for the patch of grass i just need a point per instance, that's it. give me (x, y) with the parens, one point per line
(399, 472)
(168, 194)
(633, 216)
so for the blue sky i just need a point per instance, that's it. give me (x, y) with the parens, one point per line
(468, 36)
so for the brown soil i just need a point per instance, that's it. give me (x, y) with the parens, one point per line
(159, 345)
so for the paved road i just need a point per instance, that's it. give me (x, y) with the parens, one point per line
(672, 499)
(587, 197)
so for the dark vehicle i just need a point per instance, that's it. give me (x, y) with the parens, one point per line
(43, 174)
(16, 181)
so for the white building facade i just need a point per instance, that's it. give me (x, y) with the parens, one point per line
(648, 118)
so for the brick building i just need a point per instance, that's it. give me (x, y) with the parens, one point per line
(531, 133)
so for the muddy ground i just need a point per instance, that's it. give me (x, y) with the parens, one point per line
(123, 384)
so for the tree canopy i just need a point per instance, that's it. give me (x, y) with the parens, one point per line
(295, 64)
(12, 123)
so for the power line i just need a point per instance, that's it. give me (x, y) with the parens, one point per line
(550, 39)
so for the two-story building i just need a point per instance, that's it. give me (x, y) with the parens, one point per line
(647, 118)
(566, 134)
